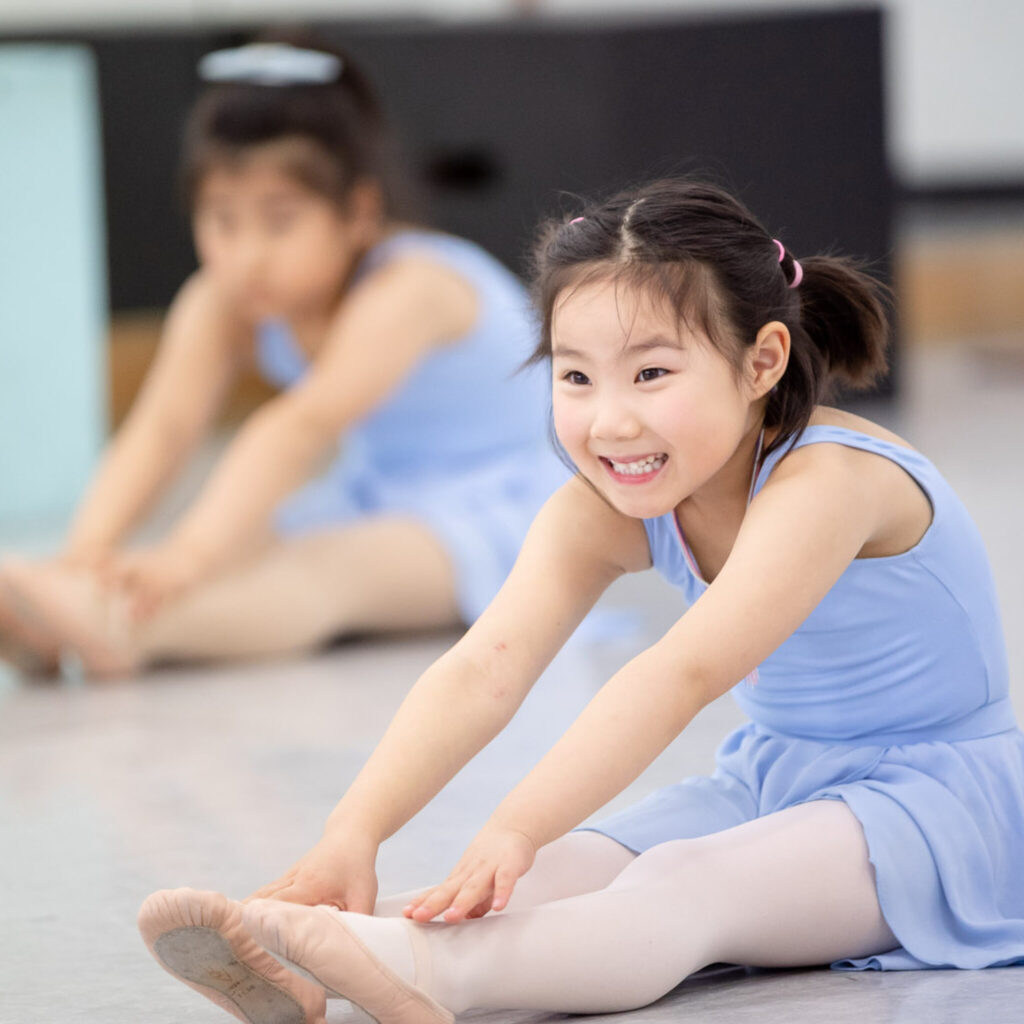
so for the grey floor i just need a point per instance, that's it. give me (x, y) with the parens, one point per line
(220, 778)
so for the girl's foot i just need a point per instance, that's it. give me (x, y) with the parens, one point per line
(317, 941)
(24, 642)
(199, 937)
(77, 613)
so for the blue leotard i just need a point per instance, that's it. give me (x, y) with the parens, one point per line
(893, 697)
(462, 445)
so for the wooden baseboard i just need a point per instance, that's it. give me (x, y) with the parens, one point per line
(134, 337)
(961, 285)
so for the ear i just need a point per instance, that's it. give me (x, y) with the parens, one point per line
(768, 357)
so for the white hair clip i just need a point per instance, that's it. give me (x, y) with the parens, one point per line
(270, 64)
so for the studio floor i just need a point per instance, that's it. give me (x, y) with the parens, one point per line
(219, 778)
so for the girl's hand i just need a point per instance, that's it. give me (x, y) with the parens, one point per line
(483, 879)
(96, 559)
(152, 576)
(339, 872)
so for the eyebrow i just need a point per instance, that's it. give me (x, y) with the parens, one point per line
(647, 345)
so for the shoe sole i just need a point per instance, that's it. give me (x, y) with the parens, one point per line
(204, 957)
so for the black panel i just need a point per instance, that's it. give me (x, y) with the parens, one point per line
(500, 121)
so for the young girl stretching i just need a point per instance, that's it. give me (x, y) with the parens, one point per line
(870, 814)
(400, 342)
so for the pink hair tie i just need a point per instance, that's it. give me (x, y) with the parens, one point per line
(576, 220)
(798, 271)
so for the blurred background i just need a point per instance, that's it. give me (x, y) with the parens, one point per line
(890, 131)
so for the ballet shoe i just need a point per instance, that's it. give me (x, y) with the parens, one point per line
(199, 937)
(315, 941)
(24, 642)
(77, 613)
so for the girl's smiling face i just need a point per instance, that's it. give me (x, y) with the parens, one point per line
(648, 409)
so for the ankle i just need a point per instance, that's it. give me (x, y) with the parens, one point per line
(391, 941)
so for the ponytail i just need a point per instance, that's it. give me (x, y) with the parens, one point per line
(838, 342)
(842, 310)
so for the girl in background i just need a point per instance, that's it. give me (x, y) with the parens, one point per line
(400, 342)
(871, 813)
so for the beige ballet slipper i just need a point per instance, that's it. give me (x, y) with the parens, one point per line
(24, 642)
(78, 613)
(199, 937)
(316, 941)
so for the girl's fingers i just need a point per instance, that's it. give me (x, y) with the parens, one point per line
(309, 897)
(504, 883)
(413, 904)
(435, 901)
(266, 892)
(480, 910)
(475, 891)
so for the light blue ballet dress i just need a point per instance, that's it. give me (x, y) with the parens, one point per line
(462, 445)
(893, 697)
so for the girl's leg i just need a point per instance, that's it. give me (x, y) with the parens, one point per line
(376, 575)
(793, 888)
(577, 863)
(379, 575)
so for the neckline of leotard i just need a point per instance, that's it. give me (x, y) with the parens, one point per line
(809, 435)
(755, 472)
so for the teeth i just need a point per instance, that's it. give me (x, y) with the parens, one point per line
(645, 465)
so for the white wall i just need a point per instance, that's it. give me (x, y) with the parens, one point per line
(956, 67)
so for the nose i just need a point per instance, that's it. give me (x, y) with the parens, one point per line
(614, 420)
(241, 248)
(250, 257)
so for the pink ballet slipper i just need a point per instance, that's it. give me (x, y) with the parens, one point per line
(316, 941)
(199, 937)
(24, 642)
(77, 613)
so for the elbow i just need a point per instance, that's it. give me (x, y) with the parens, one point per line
(694, 682)
(492, 693)
(706, 682)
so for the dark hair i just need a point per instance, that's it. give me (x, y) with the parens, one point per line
(695, 246)
(340, 129)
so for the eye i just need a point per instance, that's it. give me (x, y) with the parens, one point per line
(220, 220)
(651, 373)
(575, 377)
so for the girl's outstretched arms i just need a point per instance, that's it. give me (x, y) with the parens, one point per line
(575, 548)
(199, 355)
(818, 510)
(384, 327)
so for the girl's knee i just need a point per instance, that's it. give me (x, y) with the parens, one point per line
(677, 863)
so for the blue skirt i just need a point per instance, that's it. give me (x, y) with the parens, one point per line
(944, 823)
(480, 514)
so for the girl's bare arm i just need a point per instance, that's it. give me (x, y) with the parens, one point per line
(799, 535)
(386, 325)
(575, 548)
(195, 364)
